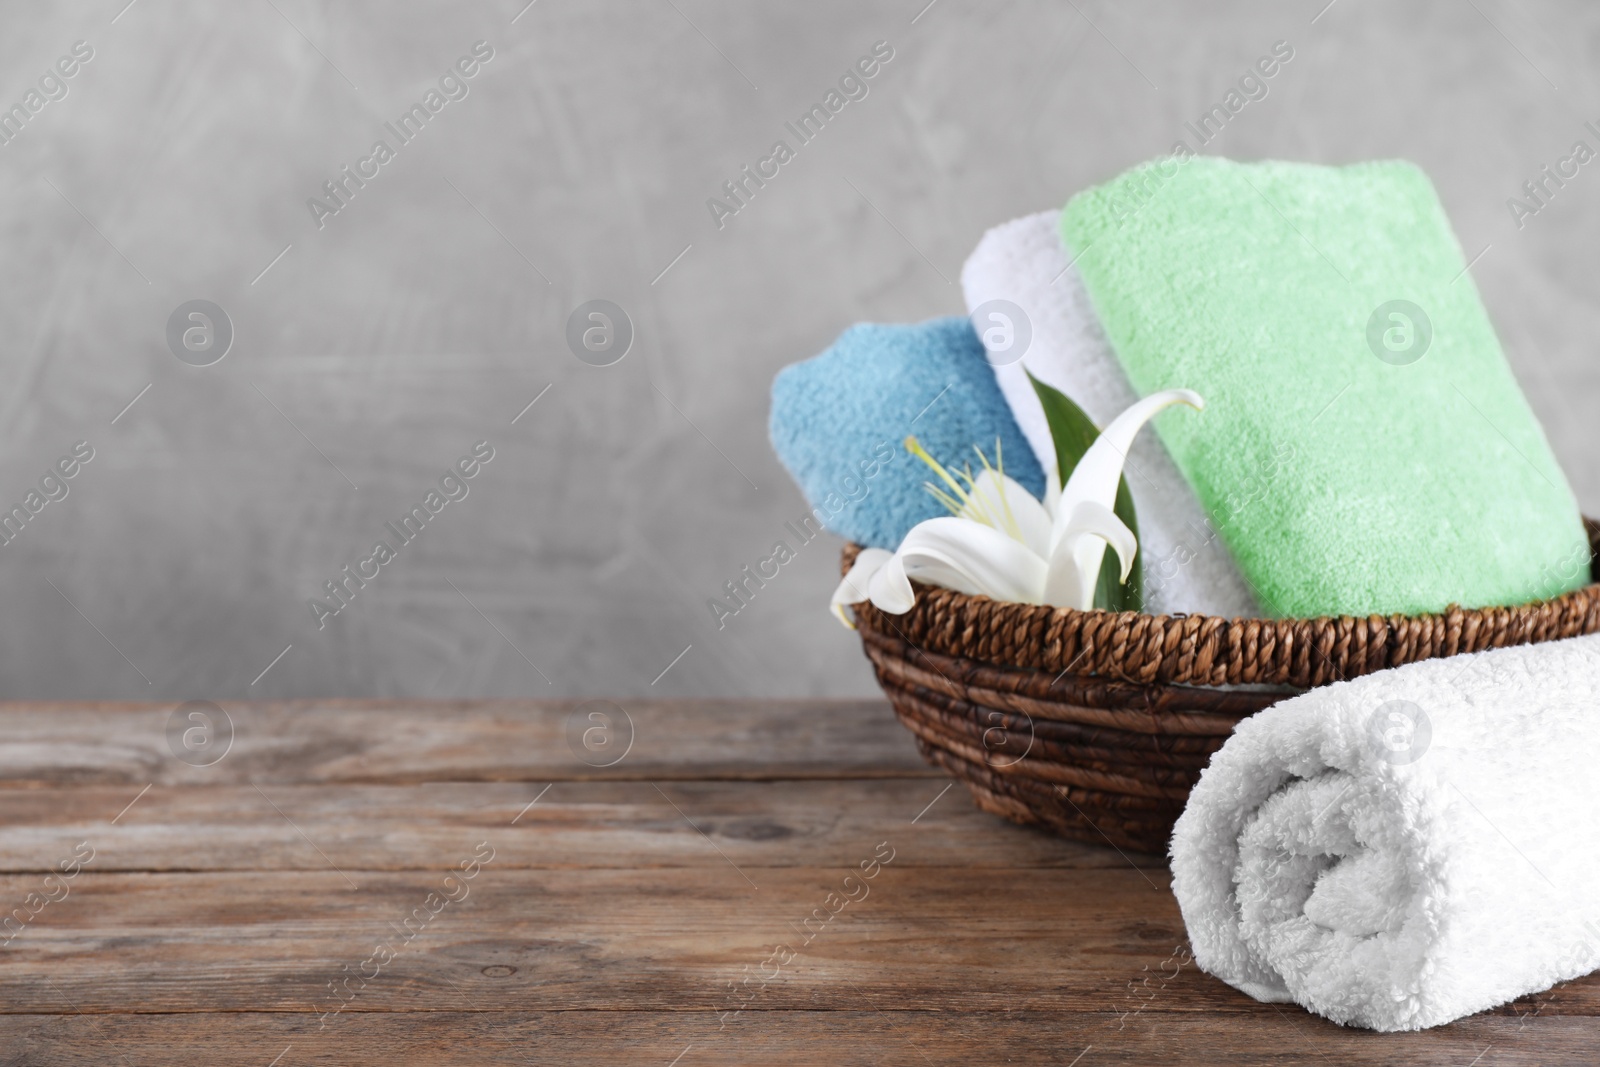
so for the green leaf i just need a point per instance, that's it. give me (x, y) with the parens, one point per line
(1072, 432)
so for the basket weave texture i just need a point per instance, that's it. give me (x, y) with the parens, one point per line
(1096, 724)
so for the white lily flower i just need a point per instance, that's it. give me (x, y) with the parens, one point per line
(1002, 542)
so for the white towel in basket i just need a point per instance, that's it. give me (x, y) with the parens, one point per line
(1186, 566)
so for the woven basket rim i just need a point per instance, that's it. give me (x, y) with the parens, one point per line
(1209, 650)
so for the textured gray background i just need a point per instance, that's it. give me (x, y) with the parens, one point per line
(409, 327)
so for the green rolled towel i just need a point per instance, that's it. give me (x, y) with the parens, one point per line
(1366, 448)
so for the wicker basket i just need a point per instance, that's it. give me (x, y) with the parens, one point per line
(1096, 724)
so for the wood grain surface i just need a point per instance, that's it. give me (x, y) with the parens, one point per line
(760, 882)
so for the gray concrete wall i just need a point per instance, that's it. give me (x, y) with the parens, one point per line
(431, 309)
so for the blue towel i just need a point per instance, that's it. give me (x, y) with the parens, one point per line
(839, 420)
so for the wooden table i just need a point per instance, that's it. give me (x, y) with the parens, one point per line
(449, 883)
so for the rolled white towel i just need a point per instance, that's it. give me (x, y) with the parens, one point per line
(1406, 848)
(1186, 566)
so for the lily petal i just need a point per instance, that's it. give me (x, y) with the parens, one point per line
(1095, 477)
(1070, 582)
(1020, 514)
(852, 588)
(890, 589)
(962, 555)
